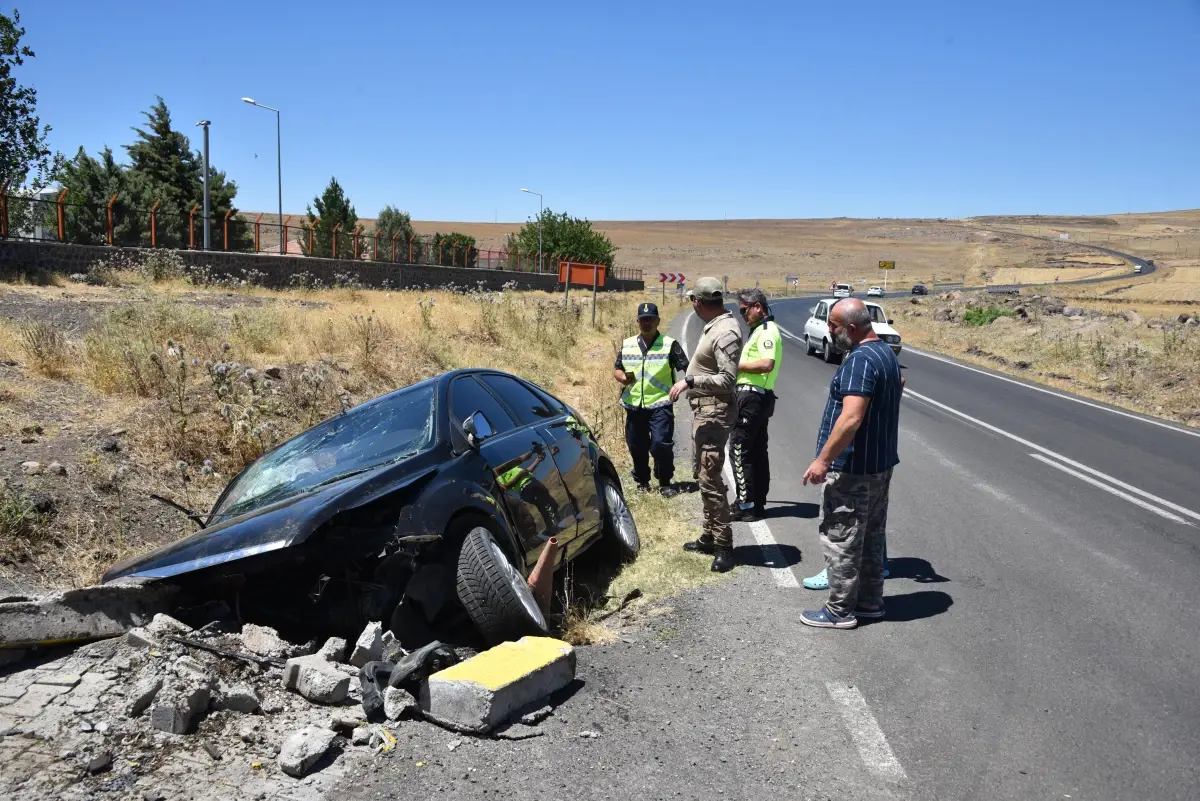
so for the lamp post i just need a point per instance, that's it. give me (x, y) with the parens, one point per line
(539, 195)
(278, 171)
(207, 243)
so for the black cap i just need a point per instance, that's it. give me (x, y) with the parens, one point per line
(647, 310)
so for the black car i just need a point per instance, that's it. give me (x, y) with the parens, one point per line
(387, 511)
(920, 289)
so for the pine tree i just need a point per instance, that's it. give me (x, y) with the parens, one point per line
(392, 221)
(332, 207)
(90, 185)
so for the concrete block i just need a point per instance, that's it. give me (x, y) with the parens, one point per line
(304, 749)
(334, 650)
(142, 694)
(188, 668)
(316, 679)
(347, 719)
(90, 613)
(369, 647)
(486, 690)
(238, 698)
(398, 702)
(263, 641)
(67, 680)
(162, 624)
(177, 707)
(142, 638)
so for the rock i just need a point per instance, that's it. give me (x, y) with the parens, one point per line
(1071, 311)
(1052, 305)
(361, 735)
(943, 315)
(1154, 322)
(588, 734)
(178, 706)
(263, 641)
(398, 702)
(142, 694)
(100, 763)
(110, 445)
(517, 731)
(316, 679)
(1131, 316)
(240, 697)
(142, 638)
(347, 719)
(369, 647)
(165, 624)
(116, 432)
(1183, 318)
(304, 749)
(392, 651)
(453, 744)
(189, 669)
(537, 716)
(334, 650)
(1192, 323)
(273, 371)
(56, 469)
(31, 468)
(488, 689)
(1022, 312)
(1003, 322)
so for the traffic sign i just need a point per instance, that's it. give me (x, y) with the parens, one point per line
(887, 265)
(672, 278)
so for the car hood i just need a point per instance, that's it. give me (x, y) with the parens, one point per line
(883, 328)
(280, 525)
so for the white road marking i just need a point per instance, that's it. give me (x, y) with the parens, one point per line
(1137, 501)
(1183, 510)
(864, 730)
(773, 556)
(1130, 415)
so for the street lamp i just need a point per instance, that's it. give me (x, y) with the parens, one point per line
(278, 172)
(204, 124)
(539, 195)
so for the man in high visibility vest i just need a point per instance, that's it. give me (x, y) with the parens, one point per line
(646, 368)
(757, 372)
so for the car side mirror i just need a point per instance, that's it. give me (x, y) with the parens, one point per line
(891, 321)
(477, 429)
(813, 310)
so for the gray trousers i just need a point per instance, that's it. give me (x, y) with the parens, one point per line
(853, 523)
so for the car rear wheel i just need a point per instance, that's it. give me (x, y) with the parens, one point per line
(827, 352)
(808, 345)
(619, 526)
(496, 596)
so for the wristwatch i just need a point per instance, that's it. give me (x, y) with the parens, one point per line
(690, 380)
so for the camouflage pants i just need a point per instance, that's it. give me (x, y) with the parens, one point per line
(853, 522)
(711, 425)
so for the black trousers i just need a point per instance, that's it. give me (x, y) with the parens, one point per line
(748, 447)
(651, 432)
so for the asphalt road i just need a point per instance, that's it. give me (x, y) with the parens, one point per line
(1042, 639)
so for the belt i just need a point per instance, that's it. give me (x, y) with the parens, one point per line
(711, 400)
(751, 388)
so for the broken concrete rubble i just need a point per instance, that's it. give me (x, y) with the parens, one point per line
(397, 703)
(304, 749)
(316, 679)
(241, 697)
(369, 647)
(142, 694)
(264, 641)
(180, 704)
(334, 650)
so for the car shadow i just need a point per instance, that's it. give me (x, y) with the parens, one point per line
(914, 606)
(919, 570)
(797, 509)
(755, 556)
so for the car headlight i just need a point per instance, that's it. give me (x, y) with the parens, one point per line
(891, 339)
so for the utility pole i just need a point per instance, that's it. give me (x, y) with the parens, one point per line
(539, 195)
(207, 233)
(278, 169)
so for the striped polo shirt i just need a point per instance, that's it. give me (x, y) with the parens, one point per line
(870, 370)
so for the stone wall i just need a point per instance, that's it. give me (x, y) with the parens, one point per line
(275, 271)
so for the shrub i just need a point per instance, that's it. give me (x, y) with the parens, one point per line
(45, 347)
(976, 317)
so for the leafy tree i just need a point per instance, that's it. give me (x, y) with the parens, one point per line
(564, 237)
(453, 250)
(24, 154)
(90, 184)
(332, 207)
(392, 221)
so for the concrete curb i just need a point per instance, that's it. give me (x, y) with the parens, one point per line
(90, 613)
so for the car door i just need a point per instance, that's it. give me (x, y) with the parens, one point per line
(520, 462)
(529, 405)
(816, 327)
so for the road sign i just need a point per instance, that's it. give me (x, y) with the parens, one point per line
(887, 265)
(672, 278)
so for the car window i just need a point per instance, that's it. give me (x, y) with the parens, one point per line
(820, 315)
(877, 314)
(468, 397)
(526, 405)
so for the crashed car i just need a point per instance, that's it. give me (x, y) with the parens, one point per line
(445, 490)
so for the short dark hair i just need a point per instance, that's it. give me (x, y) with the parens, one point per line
(712, 303)
(752, 296)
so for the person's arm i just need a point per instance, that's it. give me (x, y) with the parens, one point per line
(757, 366)
(770, 342)
(854, 409)
(623, 378)
(679, 359)
(728, 350)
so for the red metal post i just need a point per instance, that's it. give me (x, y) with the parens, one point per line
(283, 229)
(335, 233)
(377, 233)
(154, 224)
(192, 227)
(256, 222)
(62, 222)
(227, 216)
(410, 243)
(394, 237)
(110, 205)
(354, 240)
(312, 226)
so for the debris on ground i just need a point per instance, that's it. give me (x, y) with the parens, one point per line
(304, 749)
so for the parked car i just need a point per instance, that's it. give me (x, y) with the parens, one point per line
(842, 290)
(875, 292)
(459, 480)
(818, 340)
(920, 289)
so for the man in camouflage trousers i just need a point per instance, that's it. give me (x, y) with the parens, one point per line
(857, 449)
(709, 384)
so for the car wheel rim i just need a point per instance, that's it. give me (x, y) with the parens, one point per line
(520, 585)
(622, 520)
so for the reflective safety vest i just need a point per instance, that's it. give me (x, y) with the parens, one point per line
(765, 343)
(516, 477)
(652, 373)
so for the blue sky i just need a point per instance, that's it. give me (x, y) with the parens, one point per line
(652, 110)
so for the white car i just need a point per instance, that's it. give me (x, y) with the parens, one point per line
(842, 290)
(875, 292)
(818, 340)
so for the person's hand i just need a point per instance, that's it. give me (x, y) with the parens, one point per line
(816, 472)
(677, 390)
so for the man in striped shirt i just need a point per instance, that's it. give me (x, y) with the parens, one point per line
(857, 448)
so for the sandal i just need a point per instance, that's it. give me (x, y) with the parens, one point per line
(817, 582)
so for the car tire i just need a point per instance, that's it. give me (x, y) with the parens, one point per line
(808, 345)
(497, 597)
(827, 352)
(619, 526)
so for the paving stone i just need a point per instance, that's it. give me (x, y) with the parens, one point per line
(67, 680)
(316, 679)
(34, 700)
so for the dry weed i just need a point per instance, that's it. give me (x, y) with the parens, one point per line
(45, 347)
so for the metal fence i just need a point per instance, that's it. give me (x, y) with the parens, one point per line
(169, 226)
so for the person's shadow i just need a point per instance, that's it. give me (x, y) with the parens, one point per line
(919, 570)
(756, 556)
(914, 606)
(797, 509)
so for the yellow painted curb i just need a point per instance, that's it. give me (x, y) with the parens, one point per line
(506, 663)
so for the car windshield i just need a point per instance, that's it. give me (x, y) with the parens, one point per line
(877, 313)
(363, 438)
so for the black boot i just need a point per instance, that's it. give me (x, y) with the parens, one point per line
(747, 515)
(703, 545)
(667, 491)
(723, 560)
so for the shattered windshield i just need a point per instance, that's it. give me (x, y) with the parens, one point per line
(363, 438)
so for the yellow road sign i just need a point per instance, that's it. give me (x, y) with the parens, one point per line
(887, 265)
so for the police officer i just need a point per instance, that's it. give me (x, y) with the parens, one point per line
(755, 405)
(646, 369)
(709, 384)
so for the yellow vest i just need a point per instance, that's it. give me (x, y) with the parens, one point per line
(652, 373)
(766, 342)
